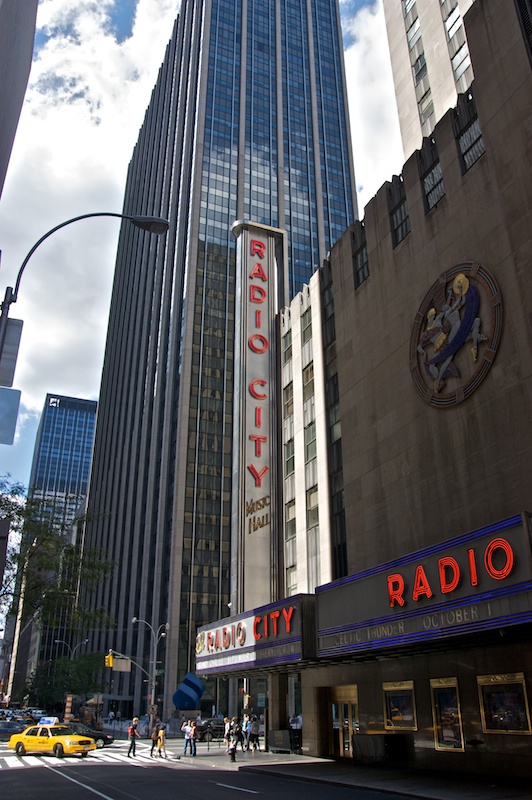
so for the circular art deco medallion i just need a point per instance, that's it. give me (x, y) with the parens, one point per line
(456, 334)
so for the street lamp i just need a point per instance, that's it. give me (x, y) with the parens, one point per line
(71, 650)
(156, 636)
(156, 225)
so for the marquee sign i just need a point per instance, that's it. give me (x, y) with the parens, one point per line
(457, 587)
(279, 633)
(260, 251)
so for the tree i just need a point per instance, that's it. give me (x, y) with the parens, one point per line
(45, 566)
(79, 676)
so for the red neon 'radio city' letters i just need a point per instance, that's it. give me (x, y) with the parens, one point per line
(258, 248)
(450, 574)
(273, 617)
(253, 392)
(258, 343)
(258, 475)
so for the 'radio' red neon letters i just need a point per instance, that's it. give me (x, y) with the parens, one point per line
(450, 573)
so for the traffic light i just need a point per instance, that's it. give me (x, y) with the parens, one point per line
(109, 660)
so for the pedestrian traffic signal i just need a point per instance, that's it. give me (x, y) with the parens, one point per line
(109, 660)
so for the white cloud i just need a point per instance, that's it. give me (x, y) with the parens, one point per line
(377, 148)
(84, 106)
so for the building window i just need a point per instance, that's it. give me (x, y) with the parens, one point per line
(308, 382)
(524, 12)
(398, 209)
(400, 222)
(335, 424)
(453, 22)
(312, 507)
(306, 325)
(471, 144)
(289, 457)
(408, 5)
(291, 581)
(290, 520)
(425, 106)
(467, 131)
(461, 61)
(310, 442)
(430, 173)
(288, 400)
(361, 265)
(433, 186)
(413, 33)
(287, 347)
(419, 68)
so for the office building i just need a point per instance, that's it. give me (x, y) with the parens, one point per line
(17, 32)
(247, 121)
(419, 655)
(58, 483)
(431, 63)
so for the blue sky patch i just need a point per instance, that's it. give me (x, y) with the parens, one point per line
(122, 16)
(348, 10)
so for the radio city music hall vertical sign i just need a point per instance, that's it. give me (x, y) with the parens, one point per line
(260, 253)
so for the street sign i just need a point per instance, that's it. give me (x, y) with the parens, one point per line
(9, 404)
(8, 359)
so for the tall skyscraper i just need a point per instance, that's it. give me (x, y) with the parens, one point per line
(59, 481)
(17, 31)
(248, 121)
(431, 63)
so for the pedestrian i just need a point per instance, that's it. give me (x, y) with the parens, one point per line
(161, 742)
(254, 734)
(227, 733)
(239, 734)
(233, 741)
(247, 731)
(133, 735)
(194, 736)
(154, 735)
(187, 730)
(111, 717)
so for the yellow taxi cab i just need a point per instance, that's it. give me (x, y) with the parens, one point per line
(49, 736)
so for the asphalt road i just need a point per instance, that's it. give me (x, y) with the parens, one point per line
(132, 782)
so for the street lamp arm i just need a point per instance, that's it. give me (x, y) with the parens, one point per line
(156, 225)
(116, 654)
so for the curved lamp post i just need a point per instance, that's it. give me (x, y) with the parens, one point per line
(156, 225)
(156, 636)
(71, 650)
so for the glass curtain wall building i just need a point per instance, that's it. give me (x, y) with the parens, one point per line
(58, 482)
(248, 120)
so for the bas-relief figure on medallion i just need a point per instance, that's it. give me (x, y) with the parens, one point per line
(455, 334)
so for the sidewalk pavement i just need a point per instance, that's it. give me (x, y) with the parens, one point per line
(407, 782)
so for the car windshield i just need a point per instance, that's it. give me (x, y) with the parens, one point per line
(61, 731)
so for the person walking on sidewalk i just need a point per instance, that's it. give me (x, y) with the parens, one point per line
(161, 742)
(194, 736)
(133, 735)
(254, 734)
(153, 736)
(233, 741)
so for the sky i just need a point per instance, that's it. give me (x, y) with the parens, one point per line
(95, 64)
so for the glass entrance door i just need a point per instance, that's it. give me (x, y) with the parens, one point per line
(344, 719)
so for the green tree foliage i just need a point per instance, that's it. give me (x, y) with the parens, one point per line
(79, 676)
(47, 564)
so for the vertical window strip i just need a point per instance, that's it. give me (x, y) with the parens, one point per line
(361, 265)
(471, 144)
